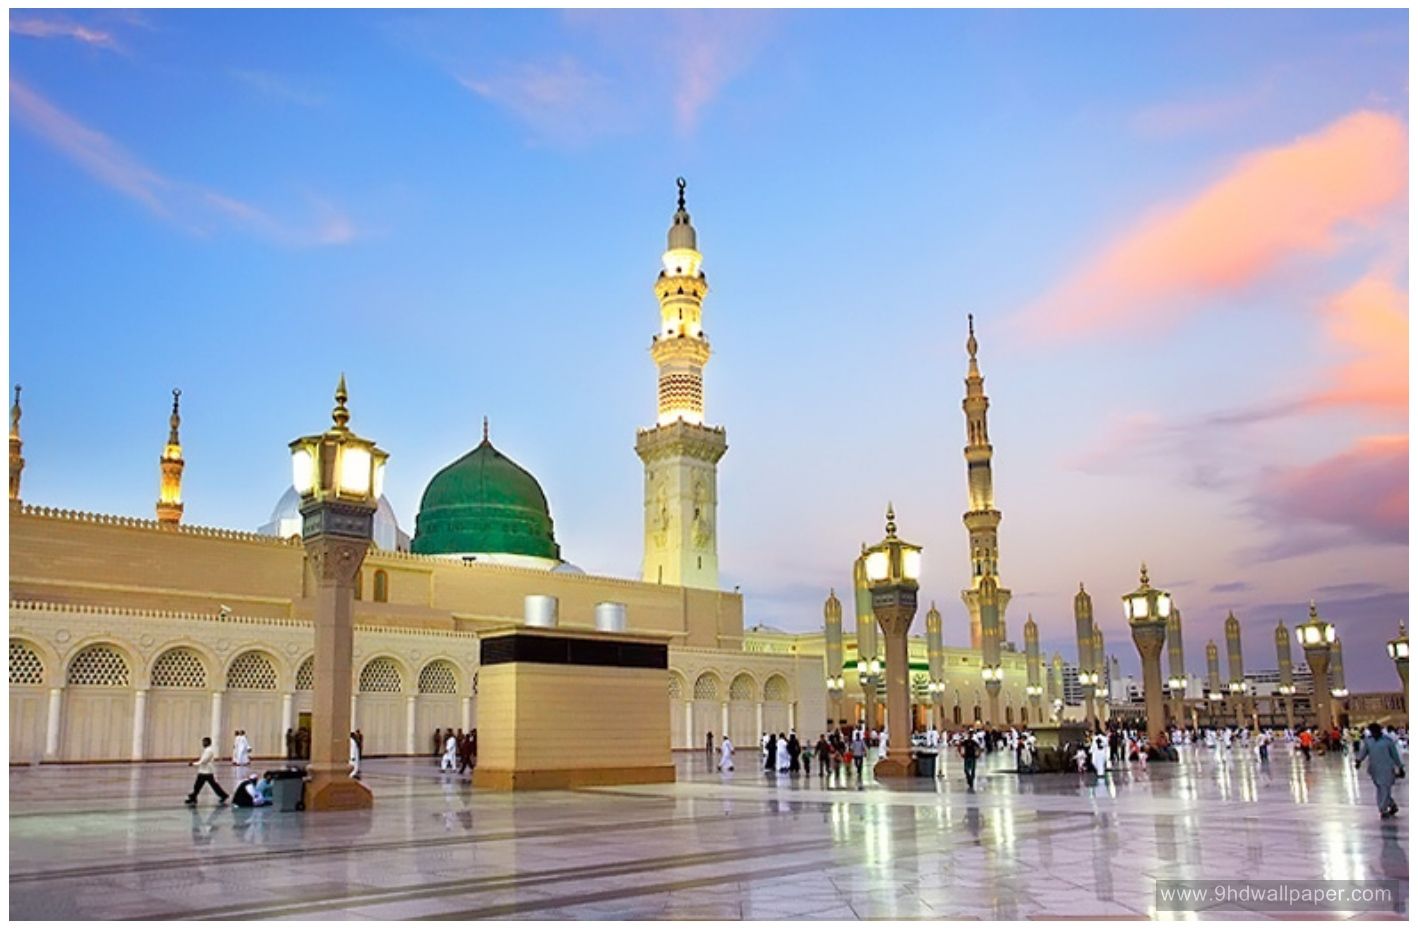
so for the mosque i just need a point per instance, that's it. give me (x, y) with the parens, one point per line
(130, 638)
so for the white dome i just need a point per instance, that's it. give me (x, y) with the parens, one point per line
(286, 521)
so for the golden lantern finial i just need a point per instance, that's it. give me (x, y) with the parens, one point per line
(1143, 576)
(340, 414)
(680, 183)
(890, 521)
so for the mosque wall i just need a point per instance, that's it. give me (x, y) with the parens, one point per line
(120, 649)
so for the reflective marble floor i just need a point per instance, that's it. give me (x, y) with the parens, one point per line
(115, 841)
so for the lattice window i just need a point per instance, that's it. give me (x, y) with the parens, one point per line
(438, 677)
(180, 667)
(676, 687)
(706, 688)
(99, 666)
(776, 689)
(305, 674)
(251, 671)
(381, 676)
(25, 666)
(741, 688)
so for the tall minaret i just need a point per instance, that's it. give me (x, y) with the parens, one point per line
(832, 634)
(982, 519)
(1287, 672)
(1176, 657)
(1031, 658)
(17, 461)
(1087, 662)
(935, 663)
(680, 453)
(170, 489)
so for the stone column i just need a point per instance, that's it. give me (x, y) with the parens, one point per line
(140, 722)
(51, 724)
(1149, 638)
(334, 561)
(411, 740)
(1318, 660)
(688, 724)
(724, 719)
(467, 714)
(217, 721)
(287, 715)
(895, 608)
(758, 717)
(354, 712)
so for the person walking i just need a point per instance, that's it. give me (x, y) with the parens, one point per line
(795, 751)
(726, 755)
(241, 750)
(291, 749)
(354, 756)
(465, 753)
(438, 748)
(1100, 755)
(770, 753)
(206, 774)
(782, 762)
(859, 751)
(1385, 767)
(1307, 741)
(709, 745)
(449, 761)
(970, 752)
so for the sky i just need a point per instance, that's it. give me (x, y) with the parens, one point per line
(1182, 234)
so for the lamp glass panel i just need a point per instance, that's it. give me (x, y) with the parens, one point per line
(1139, 607)
(355, 468)
(911, 563)
(1164, 606)
(378, 480)
(303, 471)
(1329, 633)
(878, 567)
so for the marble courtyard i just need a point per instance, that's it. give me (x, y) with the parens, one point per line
(114, 841)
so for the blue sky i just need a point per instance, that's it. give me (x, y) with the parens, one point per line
(1182, 234)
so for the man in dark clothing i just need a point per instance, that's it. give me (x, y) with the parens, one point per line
(970, 752)
(794, 751)
(770, 758)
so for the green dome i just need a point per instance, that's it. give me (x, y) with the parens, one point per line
(484, 503)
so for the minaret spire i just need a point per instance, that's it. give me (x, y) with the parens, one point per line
(680, 452)
(17, 461)
(981, 519)
(170, 465)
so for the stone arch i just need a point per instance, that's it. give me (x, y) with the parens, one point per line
(27, 665)
(743, 687)
(743, 709)
(29, 702)
(440, 708)
(706, 711)
(776, 698)
(707, 686)
(254, 669)
(305, 674)
(102, 663)
(97, 716)
(383, 674)
(383, 686)
(180, 667)
(211, 665)
(679, 722)
(438, 676)
(677, 685)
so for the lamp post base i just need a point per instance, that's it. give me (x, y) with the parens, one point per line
(333, 791)
(895, 764)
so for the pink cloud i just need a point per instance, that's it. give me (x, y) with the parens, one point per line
(1363, 489)
(37, 28)
(1371, 320)
(196, 208)
(1293, 199)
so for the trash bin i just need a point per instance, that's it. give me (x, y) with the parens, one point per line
(925, 763)
(287, 789)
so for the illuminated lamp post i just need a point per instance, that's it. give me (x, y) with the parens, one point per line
(339, 477)
(1316, 637)
(893, 570)
(1398, 651)
(1147, 610)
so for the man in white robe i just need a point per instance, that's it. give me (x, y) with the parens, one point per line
(726, 755)
(1099, 755)
(241, 750)
(449, 761)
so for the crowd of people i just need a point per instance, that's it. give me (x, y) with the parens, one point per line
(845, 748)
(455, 750)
